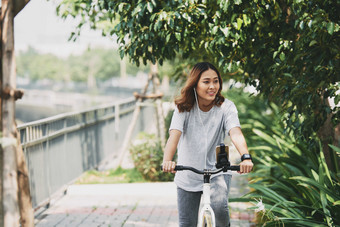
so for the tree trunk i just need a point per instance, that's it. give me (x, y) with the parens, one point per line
(1, 151)
(9, 163)
(328, 134)
(13, 186)
(25, 203)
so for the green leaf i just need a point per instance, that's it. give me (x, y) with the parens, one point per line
(149, 6)
(265, 136)
(121, 52)
(120, 7)
(225, 31)
(239, 23)
(178, 36)
(313, 42)
(323, 197)
(275, 53)
(330, 28)
(337, 149)
(214, 30)
(168, 37)
(282, 56)
(246, 19)
(269, 192)
(235, 200)
(311, 182)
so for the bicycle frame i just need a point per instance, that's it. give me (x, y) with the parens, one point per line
(206, 202)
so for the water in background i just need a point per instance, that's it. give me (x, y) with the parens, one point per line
(43, 99)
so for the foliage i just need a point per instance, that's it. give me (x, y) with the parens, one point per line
(31, 64)
(112, 176)
(295, 185)
(101, 64)
(167, 122)
(147, 155)
(291, 185)
(289, 50)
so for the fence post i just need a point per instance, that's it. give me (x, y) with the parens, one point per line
(117, 120)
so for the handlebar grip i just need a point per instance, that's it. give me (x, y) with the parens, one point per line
(234, 168)
(177, 168)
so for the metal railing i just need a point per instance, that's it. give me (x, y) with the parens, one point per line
(60, 148)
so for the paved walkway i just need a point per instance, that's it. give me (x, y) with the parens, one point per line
(135, 204)
(132, 205)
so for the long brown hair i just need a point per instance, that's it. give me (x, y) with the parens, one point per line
(186, 99)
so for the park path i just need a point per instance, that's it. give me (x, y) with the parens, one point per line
(133, 205)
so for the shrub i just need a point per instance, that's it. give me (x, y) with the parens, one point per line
(291, 181)
(147, 155)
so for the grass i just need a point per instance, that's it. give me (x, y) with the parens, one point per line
(113, 176)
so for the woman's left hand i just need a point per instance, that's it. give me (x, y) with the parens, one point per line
(246, 166)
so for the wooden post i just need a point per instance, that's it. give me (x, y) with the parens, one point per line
(159, 107)
(129, 131)
(156, 95)
(9, 198)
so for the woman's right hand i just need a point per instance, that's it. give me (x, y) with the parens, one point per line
(169, 166)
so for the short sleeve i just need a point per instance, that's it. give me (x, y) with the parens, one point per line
(231, 119)
(178, 120)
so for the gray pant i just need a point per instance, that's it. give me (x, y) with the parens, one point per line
(189, 203)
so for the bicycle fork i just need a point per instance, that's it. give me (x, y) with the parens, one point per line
(206, 208)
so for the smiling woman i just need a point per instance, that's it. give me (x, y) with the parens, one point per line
(207, 88)
(186, 100)
(201, 120)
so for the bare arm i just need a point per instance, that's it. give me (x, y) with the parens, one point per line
(239, 141)
(170, 150)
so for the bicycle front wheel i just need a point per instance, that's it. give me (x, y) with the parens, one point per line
(207, 219)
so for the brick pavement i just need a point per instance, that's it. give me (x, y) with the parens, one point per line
(128, 205)
(133, 205)
(147, 204)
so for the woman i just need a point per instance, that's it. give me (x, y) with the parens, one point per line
(200, 122)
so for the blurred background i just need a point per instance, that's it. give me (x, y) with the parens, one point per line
(58, 75)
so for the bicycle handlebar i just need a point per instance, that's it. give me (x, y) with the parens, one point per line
(180, 168)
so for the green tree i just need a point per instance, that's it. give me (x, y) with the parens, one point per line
(38, 66)
(92, 64)
(288, 49)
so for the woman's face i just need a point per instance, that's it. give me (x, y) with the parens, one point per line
(207, 87)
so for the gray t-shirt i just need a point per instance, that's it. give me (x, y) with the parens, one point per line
(201, 133)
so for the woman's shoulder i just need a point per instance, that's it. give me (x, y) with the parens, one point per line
(180, 113)
(227, 103)
(228, 107)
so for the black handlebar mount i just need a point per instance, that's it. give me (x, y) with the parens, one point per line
(223, 159)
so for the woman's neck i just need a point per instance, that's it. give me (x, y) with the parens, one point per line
(205, 107)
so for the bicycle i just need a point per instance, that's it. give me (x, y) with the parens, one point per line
(206, 215)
